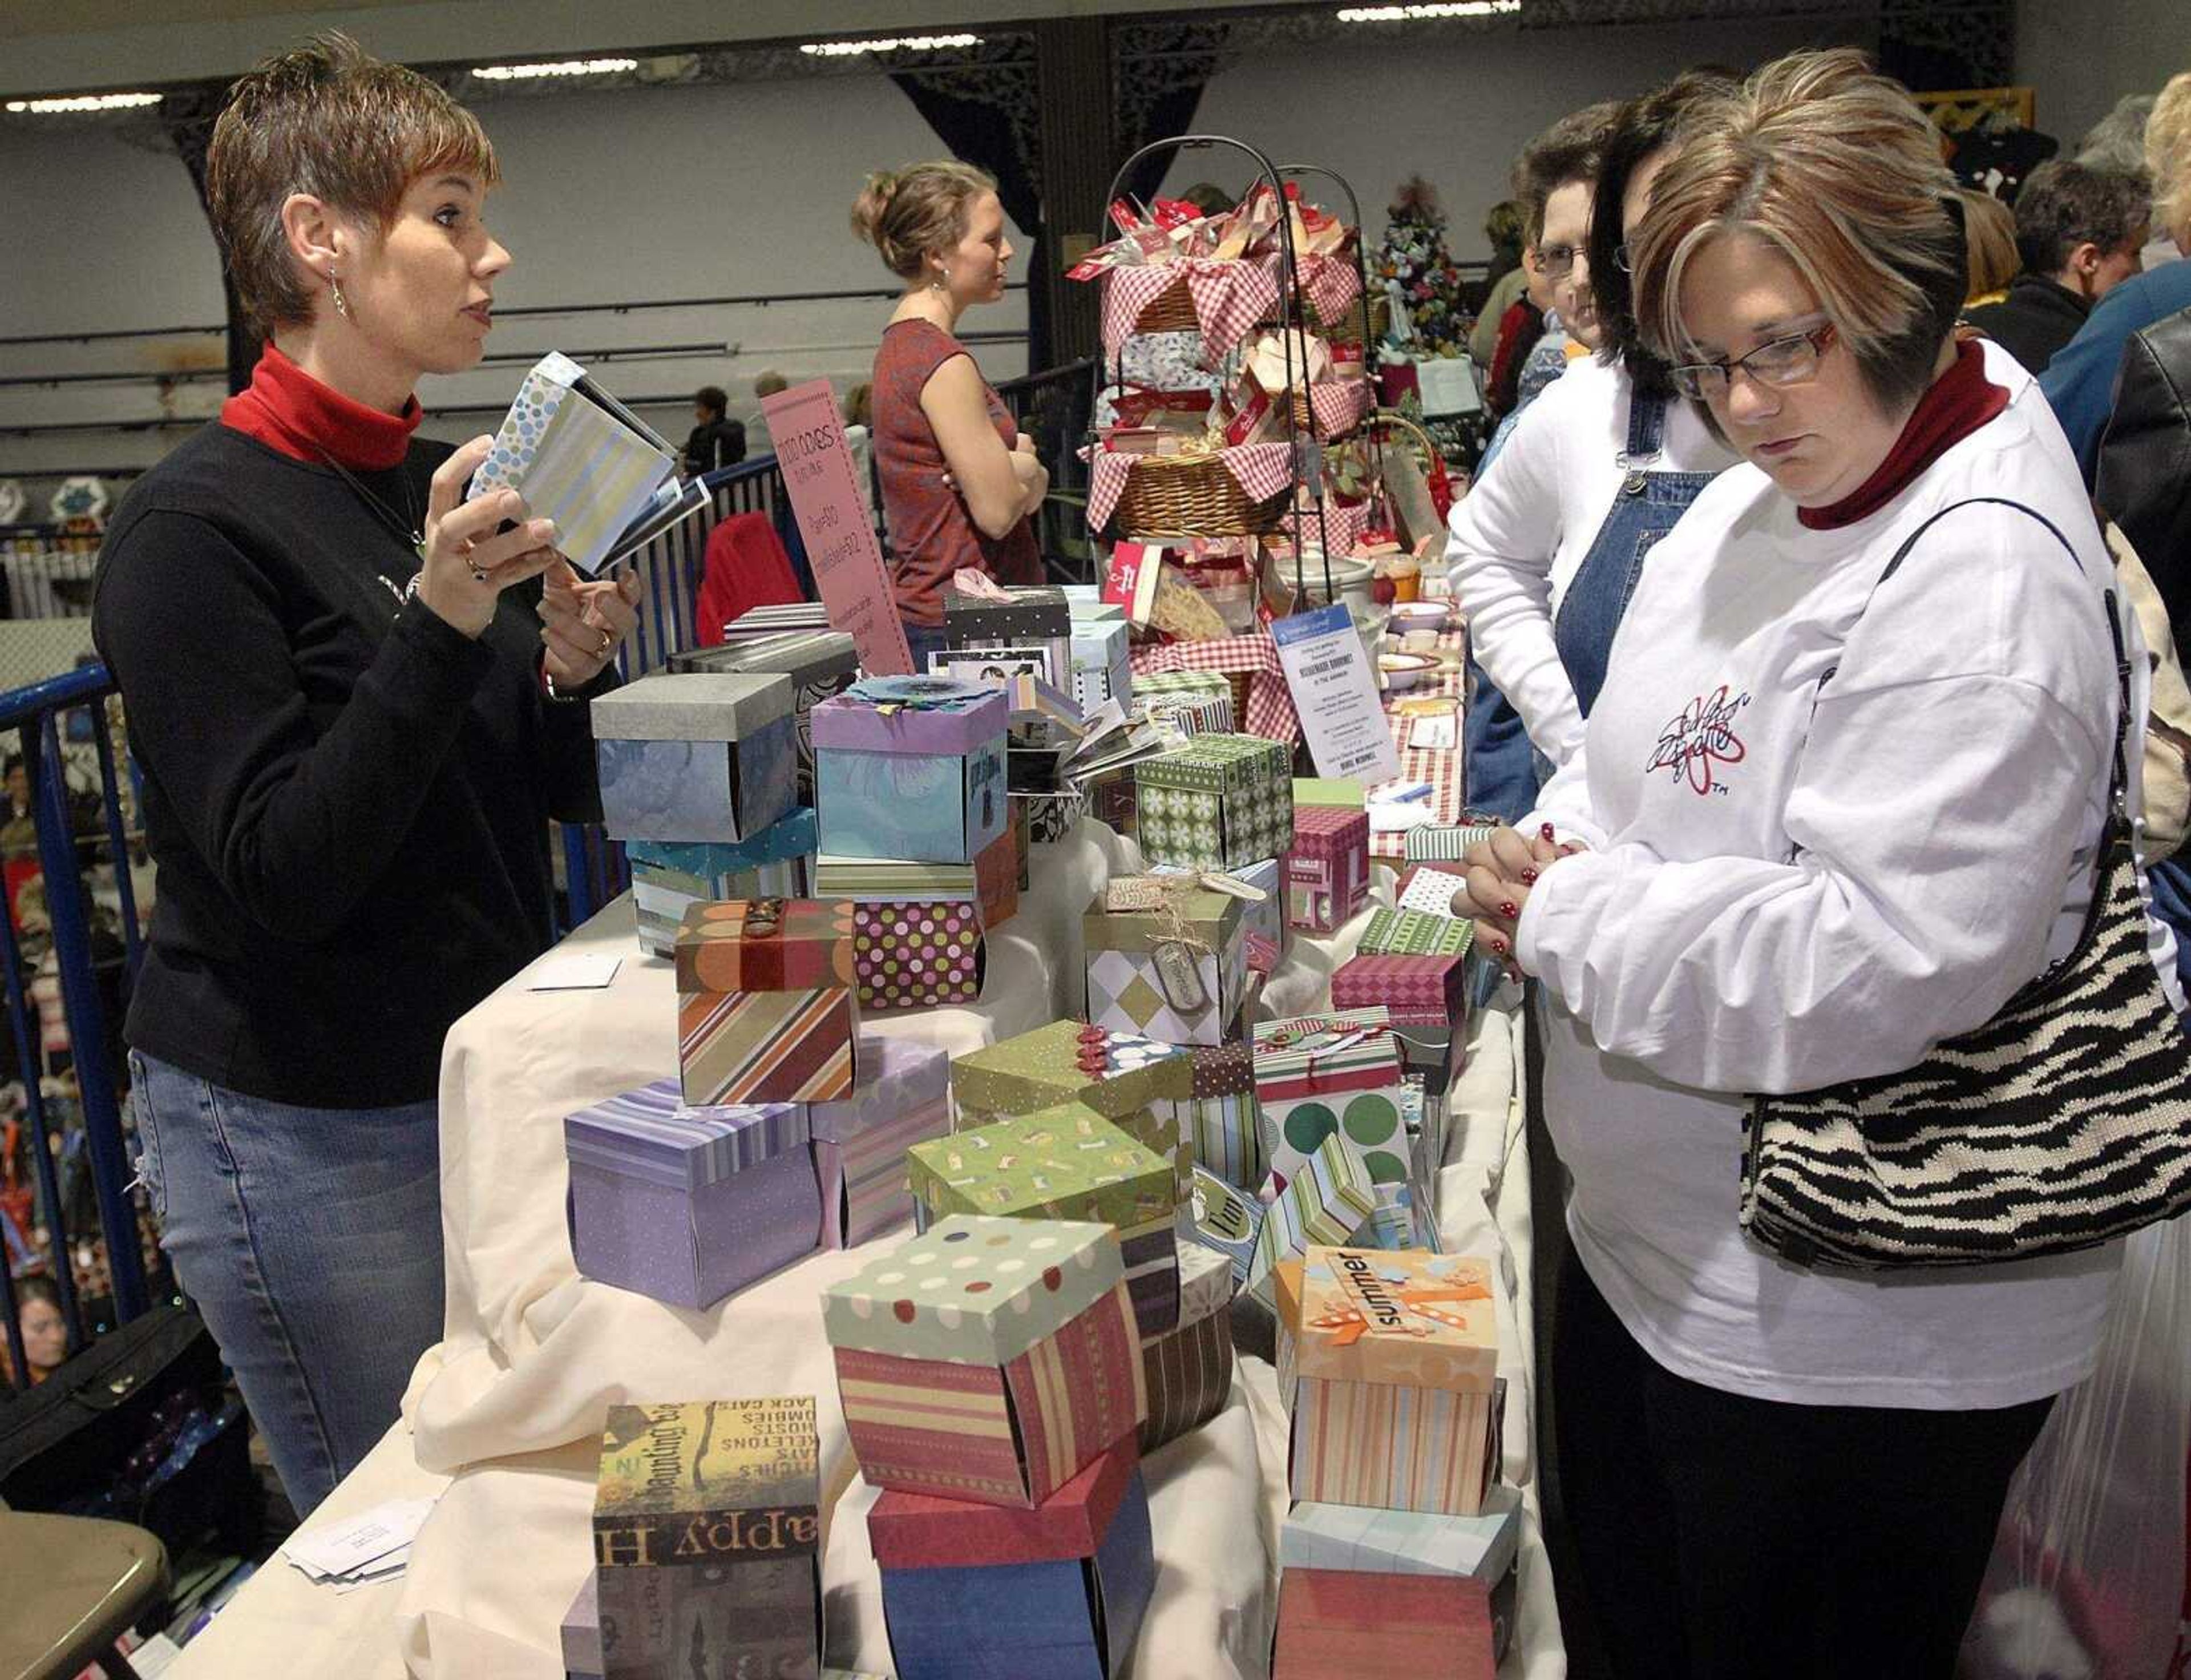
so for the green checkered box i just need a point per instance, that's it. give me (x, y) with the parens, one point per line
(1219, 801)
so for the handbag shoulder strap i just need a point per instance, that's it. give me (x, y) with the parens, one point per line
(2119, 776)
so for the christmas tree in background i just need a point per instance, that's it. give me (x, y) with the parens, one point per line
(1414, 255)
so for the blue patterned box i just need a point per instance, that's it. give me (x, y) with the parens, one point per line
(699, 757)
(687, 1204)
(668, 879)
(911, 767)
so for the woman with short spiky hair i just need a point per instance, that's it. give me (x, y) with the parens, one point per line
(356, 700)
(1840, 797)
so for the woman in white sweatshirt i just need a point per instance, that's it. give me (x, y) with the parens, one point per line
(1827, 819)
(1545, 550)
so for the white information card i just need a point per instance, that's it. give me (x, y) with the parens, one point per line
(1328, 672)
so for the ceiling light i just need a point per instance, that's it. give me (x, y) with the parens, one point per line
(1448, 8)
(894, 44)
(519, 72)
(82, 102)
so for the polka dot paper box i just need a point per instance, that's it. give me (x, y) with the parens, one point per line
(696, 758)
(920, 930)
(988, 1359)
(1319, 1076)
(766, 1006)
(904, 1098)
(1131, 1081)
(1396, 1359)
(1064, 1163)
(1060, 1592)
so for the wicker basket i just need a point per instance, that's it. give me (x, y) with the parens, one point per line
(1171, 310)
(1190, 495)
(1349, 324)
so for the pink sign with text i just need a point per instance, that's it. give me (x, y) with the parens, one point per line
(817, 462)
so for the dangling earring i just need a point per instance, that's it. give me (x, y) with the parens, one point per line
(941, 283)
(342, 303)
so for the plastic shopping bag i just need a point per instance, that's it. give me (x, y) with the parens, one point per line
(2088, 1579)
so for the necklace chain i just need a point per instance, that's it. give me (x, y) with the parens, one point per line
(407, 530)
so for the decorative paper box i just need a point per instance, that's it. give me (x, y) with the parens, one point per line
(1427, 991)
(919, 777)
(687, 1205)
(1129, 1080)
(1156, 690)
(1025, 617)
(990, 883)
(1344, 791)
(1327, 870)
(1067, 1161)
(1228, 1220)
(819, 663)
(1174, 972)
(696, 758)
(1395, 1356)
(1188, 1370)
(1085, 602)
(1331, 1193)
(581, 1643)
(1265, 919)
(904, 1097)
(766, 1006)
(1428, 888)
(1428, 844)
(973, 1592)
(1340, 1624)
(1219, 1120)
(1218, 801)
(1318, 1076)
(707, 1539)
(1101, 668)
(1479, 1550)
(920, 930)
(1047, 818)
(777, 618)
(988, 1359)
(668, 879)
(1413, 933)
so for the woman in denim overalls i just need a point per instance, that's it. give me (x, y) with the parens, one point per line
(1607, 451)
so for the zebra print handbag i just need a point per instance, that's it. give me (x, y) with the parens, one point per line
(2063, 1123)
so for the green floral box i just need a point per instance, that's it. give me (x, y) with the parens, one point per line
(1219, 801)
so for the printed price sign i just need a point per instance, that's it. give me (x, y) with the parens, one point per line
(1328, 672)
(816, 464)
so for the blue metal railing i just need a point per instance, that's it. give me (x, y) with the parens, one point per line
(66, 859)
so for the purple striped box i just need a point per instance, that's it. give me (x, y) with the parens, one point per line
(904, 1098)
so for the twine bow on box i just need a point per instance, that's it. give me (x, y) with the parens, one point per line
(1175, 949)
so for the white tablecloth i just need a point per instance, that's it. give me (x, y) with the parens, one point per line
(509, 1406)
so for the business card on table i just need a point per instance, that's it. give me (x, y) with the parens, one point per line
(572, 971)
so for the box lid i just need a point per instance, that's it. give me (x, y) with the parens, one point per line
(910, 714)
(804, 656)
(1414, 933)
(1399, 1315)
(582, 1630)
(896, 1077)
(1317, 1536)
(1343, 791)
(1035, 612)
(778, 616)
(1065, 1162)
(1211, 917)
(701, 706)
(1217, 762)
(1416, 991)
(794, 835)
(1430, 845)
(1205, 1283)
(1306, 1055)
(1328, 825)
(765, 945)
(1428, 888)
(1223, 1070)
(919, 1531)
(1115, 1073)
(678, 1461)
(652, 1133)
(974, 1290)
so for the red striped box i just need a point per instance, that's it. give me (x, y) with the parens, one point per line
(766, 1006)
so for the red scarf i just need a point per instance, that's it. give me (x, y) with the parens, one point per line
(286, 408)
(1957, 404)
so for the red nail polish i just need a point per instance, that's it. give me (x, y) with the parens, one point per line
(1528, 877)
(1546, 830)
(1498, 947)
(1509, 909)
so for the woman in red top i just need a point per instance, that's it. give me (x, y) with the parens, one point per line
(958, 478)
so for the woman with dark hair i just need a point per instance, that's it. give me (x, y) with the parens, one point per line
(356, 699)
(1842, 796)
(1546, 547)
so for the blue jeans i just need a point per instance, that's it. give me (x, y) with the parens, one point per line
(311, 1239)
(924, 640)
(2169, 880)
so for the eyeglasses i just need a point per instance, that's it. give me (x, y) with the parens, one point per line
(1792, 361)
(1556, 262)
(1621, 260)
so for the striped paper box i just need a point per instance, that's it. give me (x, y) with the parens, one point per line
(1396, 1357)
(1327, 870)
(1480, 1548)
(1359, 1622)
(687, 759)
(1188, 1371)
(1413, 933)
(1128, 990)
(1218, 801)
(1336, 1076)
(668, 879)
(1064, 1163)
(1427, 991)
(687, 1204)
(1331, 1193)
(1228, 1220)
(904, 1098)
(996, 1382)
(990, 883)
(708, 1536)
(765, 1007)
(778, 618)
(1430, 845)
(1131, 1080)
(1219, 1120)
(972, 1590)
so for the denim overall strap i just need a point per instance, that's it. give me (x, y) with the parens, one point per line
(1648, 505)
